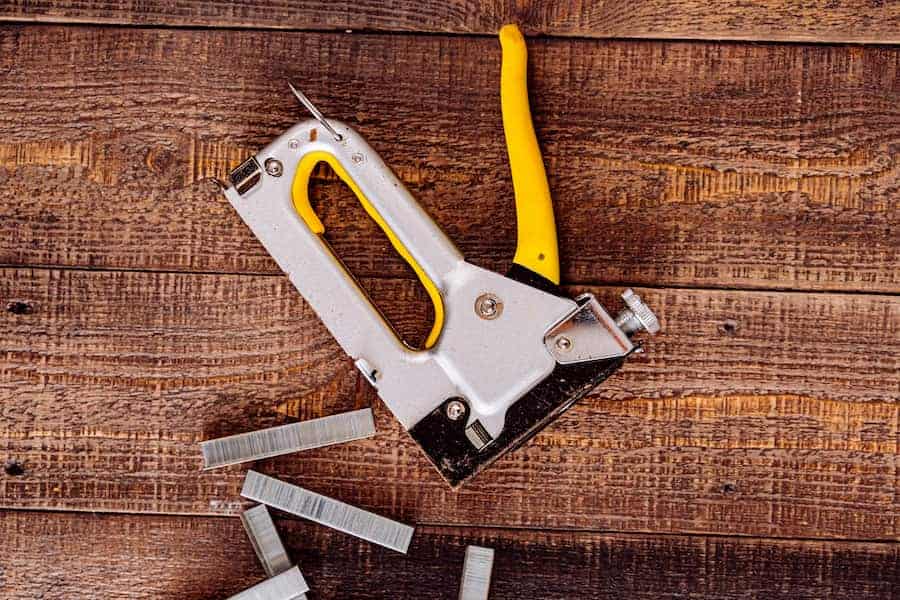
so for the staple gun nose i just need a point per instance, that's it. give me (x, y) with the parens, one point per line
(506, 354)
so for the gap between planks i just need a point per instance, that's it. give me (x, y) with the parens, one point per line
(773, 20)
(394, 278)
(500, 529)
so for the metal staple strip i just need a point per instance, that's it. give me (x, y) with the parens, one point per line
(284, 439)
(327, 511)
(476, 578)
(264, 538)
(289, 585)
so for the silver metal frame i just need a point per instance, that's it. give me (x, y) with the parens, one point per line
(490, 363)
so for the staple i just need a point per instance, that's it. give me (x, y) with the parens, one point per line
(289, 585)
(284, 439)
(264, 538)
(327, 511)
(315, 112)
(476, 578)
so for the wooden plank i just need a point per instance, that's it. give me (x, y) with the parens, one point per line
(57, 555)
(783, 20)
(758, 413)
(672, 164)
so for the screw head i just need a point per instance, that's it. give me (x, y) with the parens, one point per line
(293, 144)
(274, 167)
(563, 344)
(455, 410)
(358, 158)
(488, 306)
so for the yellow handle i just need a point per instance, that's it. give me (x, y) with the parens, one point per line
(537, 248)
(300, 197)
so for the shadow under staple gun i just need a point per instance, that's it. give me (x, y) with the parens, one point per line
(506, 355)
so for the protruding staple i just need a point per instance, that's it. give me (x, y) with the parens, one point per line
(327, 511)
(294, 437)
(476, 578)
(315, 112)
(290, 585)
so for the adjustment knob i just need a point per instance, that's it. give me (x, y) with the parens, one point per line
(637, 316)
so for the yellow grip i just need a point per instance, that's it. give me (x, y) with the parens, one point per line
(537, 248)
(300, 197)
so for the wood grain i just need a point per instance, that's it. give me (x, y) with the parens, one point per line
(816, 21)
(672, 164)
(142, 557)
(758, 413)
(138, 316)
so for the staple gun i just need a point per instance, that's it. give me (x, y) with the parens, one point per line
(506, 354)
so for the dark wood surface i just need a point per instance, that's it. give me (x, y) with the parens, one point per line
(729, 424)
(672, 164)
(872, 21)
(208, 558)
(749, 192)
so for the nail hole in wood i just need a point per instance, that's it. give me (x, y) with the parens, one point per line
(19, 308)
(729, 327)
(13, 468)
(159, 160)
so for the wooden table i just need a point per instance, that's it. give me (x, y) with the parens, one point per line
(747, 188)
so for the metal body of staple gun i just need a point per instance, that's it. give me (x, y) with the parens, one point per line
(506, 354)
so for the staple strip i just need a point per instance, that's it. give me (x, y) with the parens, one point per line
(293, 437)
(476, 579)
(327, 511)
(264, 538)
(289, 585)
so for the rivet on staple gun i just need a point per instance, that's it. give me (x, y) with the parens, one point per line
(505, 355)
